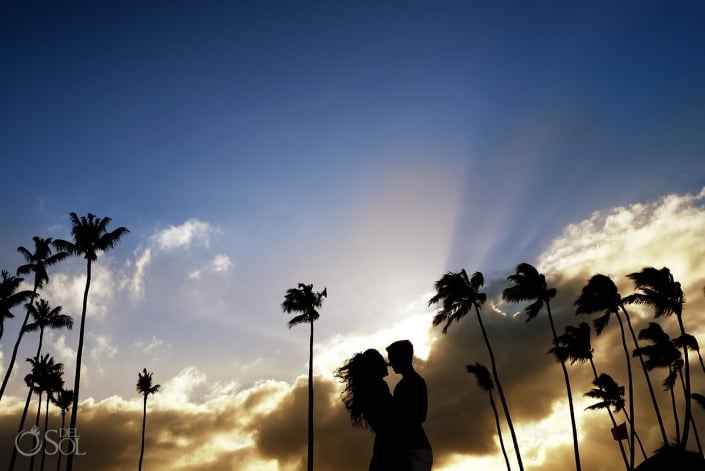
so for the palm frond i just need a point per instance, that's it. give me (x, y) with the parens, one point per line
(600, 323)
(483, 376)
(533, 309)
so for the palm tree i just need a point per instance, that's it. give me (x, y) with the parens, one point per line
(10, 297)
(457, 295)
(53, 383)
(45, 316)
(691, 343)
(46, 378)
(611, 394)
(601, 295)
(530, 285)
(37, 263)
(575, 345)
(90, 236)
(484, 380)
(29, 381)
(304, 300)
(144, 387)
(661, 292)
(63, 400)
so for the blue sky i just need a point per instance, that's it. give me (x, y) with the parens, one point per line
(365, 147)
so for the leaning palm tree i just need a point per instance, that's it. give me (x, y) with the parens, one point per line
(44, 316)
(457, 295)
(660, 291)
(90, 237)
(145, 387)
(37, 263)
(530, 285)
(601, 295)
(484, 380)
(63, 400)
(305, 301)
(611, 395)
(10, 297)
(575, 345)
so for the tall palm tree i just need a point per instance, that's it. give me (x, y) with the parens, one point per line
(37, 263)
(575, 345)
(305, 301)
(90, 236)
(10, 297)
(601, 295)
(63, 400)
(457, 295)
(45, 316)
(530, 285)
(660, 291)
(611, 394)
(145, 387)
(484, 380)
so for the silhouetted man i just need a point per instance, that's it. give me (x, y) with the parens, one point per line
(411, 401)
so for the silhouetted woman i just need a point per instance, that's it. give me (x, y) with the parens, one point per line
(366, 396)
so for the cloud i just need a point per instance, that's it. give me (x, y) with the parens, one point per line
(67, 290)
(191, 232)
(155, 347)
(220, 264)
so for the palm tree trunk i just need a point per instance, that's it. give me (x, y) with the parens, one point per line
(688, 411)
(628, 360)
(568, 391)
(17, 345)
(79, 354)
(13, 458)
(692, 418)
(46, 427)
(36, 424)
(614, 423)
(499, 430)
(63, 423)
(648, 379)
(675, 416)
(500, 390)
(144, 425)
(310, 401)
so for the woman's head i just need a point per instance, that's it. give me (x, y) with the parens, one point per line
(356, 375)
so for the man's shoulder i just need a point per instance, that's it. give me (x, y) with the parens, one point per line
(412, 380)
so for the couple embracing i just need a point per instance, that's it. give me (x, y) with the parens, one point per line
(400, 441)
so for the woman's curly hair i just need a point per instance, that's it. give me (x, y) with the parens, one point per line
(356, 377)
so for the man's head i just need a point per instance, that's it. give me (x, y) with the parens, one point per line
(400, 354)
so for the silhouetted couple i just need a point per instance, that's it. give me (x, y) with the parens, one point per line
(400, 441)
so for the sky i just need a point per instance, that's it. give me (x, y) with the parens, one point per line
(365, 147)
